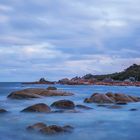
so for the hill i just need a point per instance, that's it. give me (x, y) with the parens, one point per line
(131, 73)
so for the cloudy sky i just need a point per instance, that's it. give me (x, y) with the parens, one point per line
(60, 38)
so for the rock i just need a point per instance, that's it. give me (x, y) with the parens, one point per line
(54, 129)
(87, 100)
(116, 98)
(123, 98)
(83, 107)
(38, 108)
(36, 93)
(66, 111)
(133, 109)
(114, 107)
(50, 130)
(41, 81)
(121, 103)
(100, 98)
(3, 110)
(102, 105)
(51, 88)
(37, 126)
(63, 104)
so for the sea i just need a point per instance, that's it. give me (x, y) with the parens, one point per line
(99, 123)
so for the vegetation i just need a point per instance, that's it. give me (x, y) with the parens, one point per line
(131, 72)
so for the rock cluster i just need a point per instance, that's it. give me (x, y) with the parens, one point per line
(117, 98)
(37, 93)
(50, 130)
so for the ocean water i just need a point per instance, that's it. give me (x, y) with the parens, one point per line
(100, 123)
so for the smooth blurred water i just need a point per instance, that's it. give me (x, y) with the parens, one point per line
(97, 124)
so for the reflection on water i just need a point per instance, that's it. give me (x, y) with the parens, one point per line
(97, 124)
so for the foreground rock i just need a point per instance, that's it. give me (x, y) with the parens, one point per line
(50, 130)
(36, 93)
(3, 110)
(111, 98)
(63, 104)
(38, 108)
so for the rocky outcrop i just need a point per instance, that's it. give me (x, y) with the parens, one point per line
(36, 93)
(3, 110)
(111, 98)
(63, 104)
(41, 107)
(50, 130)
(41, 81)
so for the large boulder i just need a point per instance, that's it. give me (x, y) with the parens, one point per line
(50, 130)
(111, 98)
(41, 107)
(36, 93)
(99, 98)
(63, 104)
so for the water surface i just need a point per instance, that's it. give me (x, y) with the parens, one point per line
(97, 124)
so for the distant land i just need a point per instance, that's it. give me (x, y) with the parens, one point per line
(128, 77)
(132, 73)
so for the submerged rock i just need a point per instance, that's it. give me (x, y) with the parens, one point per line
(38, 108)
(114, 107)
(63, 104)
(133, 109)
(3, 110)
(37, 93)
(50, 130)
(116, 98)
(51, 88)
(54, 129)
(65, 111)
(83, 107)
(37, 126)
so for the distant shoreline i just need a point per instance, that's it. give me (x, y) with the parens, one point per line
(96, 83)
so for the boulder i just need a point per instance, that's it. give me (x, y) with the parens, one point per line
(116, 98)
(63, 104)
(99, 98)
(36, 93)
(41, 107)
(123, 98)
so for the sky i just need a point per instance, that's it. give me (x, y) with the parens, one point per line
(60, 38)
